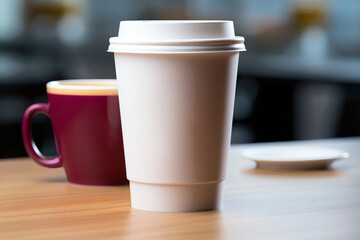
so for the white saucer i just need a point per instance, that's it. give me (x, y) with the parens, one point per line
(293, 157)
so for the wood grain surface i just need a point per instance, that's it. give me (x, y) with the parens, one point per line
(38, 203)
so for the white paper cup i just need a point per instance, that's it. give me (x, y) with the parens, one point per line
(176, 90)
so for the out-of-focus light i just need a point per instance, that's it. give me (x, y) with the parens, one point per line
(11, 22)
(71, 30)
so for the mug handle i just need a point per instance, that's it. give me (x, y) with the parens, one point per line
(28, 139)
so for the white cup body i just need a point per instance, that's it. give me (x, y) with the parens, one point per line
(176, 113)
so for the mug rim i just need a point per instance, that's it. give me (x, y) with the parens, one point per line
(82, 87)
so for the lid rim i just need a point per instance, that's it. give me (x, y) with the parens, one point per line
(175, 21)
(133, 48)
(180, 42)
(176, 36)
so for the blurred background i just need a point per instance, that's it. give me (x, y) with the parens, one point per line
(299, 79)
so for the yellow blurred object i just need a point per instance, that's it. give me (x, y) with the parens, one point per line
(55, 8)
(309, 14)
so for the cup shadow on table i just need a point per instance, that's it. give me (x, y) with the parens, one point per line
(144, 222)
(62, 179)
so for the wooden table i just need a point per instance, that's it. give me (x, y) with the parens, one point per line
(38, 203)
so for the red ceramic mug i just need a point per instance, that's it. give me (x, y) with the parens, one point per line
(85, 118)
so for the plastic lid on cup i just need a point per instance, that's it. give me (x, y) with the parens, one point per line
(176, 36)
